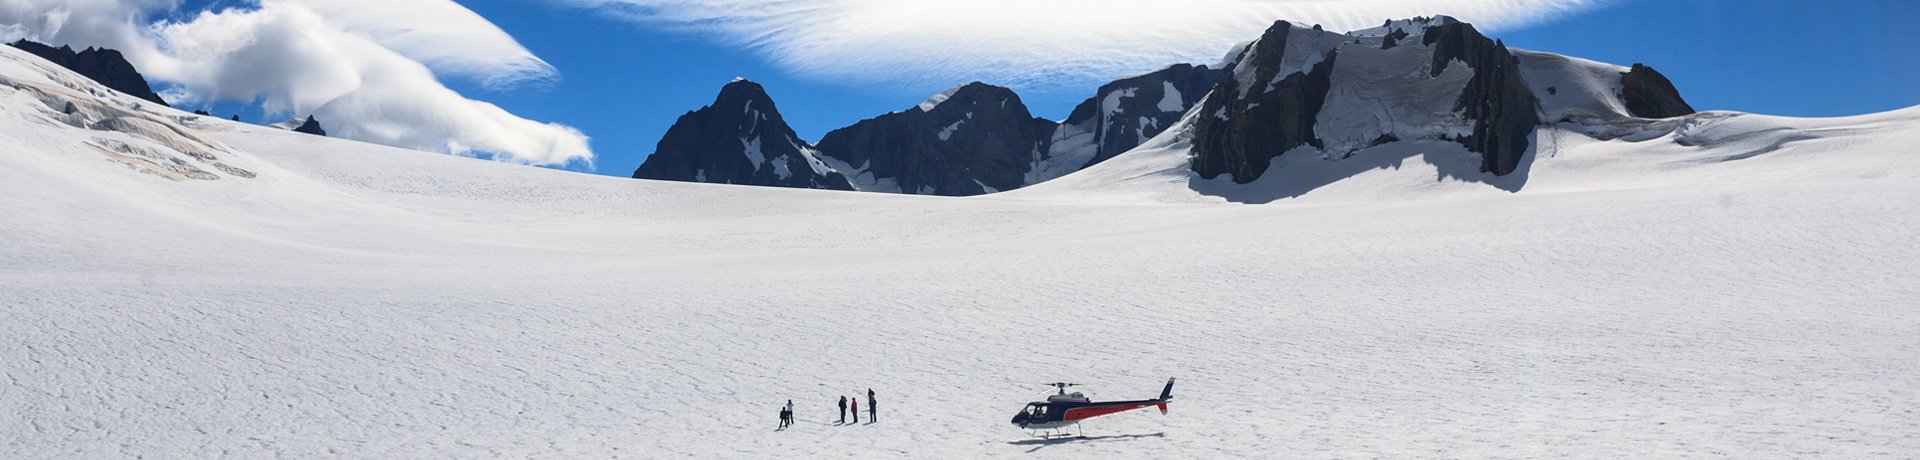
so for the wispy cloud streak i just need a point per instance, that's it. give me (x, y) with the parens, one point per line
(1028, 42)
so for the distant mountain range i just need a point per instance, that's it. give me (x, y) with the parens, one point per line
(1295, 90)
(968, 140)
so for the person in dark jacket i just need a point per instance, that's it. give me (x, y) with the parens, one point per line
(873, 411)
(856, 410)
(843, 410)
(786, 415)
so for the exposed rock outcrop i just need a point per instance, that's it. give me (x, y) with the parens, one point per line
(102, 65)
(1263, 109)
(1648, 94)
(311, 126)
(1392, 39)
(1503, 110)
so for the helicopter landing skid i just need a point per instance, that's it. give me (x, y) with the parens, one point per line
(1057, 433)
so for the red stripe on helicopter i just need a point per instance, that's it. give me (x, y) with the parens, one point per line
(1082, 413)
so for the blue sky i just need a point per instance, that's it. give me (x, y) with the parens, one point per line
(623, 82)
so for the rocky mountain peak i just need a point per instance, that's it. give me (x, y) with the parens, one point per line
(739, 139)
(971, 139)
(103, 65)
(1268, 105)
(1303, 91)
(975, 93)
(741, 90)
(972, 97)
(311, 126)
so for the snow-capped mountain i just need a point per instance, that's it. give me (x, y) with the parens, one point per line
(739, 139)
(1433, 112)
(1299, 91)
(1332, 94)
(968, 140)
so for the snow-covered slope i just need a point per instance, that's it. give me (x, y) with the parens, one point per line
(1708, 149)
(231, 290)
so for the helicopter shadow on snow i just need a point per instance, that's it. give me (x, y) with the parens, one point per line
(1043, 443)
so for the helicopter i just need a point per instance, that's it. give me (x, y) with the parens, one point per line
(1064, 409)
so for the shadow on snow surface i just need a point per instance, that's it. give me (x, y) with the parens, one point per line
(1041, 443)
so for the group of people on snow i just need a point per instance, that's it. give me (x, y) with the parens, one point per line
(873, 413)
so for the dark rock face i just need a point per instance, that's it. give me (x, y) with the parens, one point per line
(311, 126)
(1503, 110)
(1244, 125)
(102, 65)
(1392, 39)
(1114, 115)
(1648, 94)
(1241, 135)
(980, 139)
(740, 139)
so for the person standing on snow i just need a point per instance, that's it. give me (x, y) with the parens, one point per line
(843, 410)
(873, 411)
(786, 415)
(856, 410)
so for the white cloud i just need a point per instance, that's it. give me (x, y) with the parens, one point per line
(441, 34)
(1026, 42)
(368, 69)
(108, 23)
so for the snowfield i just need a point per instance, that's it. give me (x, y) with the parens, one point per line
(1752, 294)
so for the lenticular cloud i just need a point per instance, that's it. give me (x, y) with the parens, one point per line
(1026, 42)
(369, 70)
